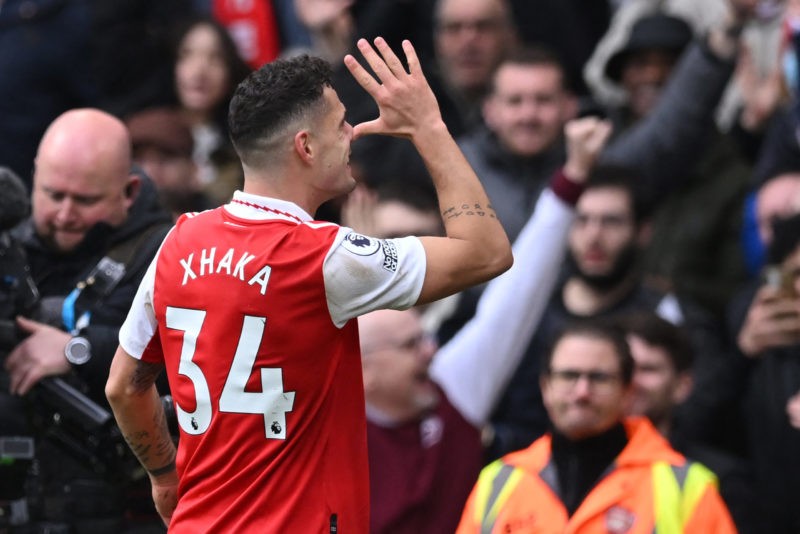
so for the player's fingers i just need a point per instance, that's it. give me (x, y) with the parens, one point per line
(366, 128)
(412, 60)
(390, 58)
(361, 75)
(375, 61)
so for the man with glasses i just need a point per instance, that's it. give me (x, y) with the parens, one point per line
(596, 470)
(602, 278)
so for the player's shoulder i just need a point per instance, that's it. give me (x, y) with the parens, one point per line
(321, 231)
(320, 226)
(191, 217)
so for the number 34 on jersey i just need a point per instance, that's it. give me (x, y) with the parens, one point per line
(271, 402)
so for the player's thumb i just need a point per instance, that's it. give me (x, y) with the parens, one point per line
(366, 128)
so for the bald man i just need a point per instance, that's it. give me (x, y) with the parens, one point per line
(93, 230)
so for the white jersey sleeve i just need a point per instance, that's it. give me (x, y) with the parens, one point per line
(140, 325)
(363, 274)
(474, 367)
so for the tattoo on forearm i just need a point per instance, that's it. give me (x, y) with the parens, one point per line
(163, 470)
(145, 374)
(139, 444)
(156, 449)
(469, 209)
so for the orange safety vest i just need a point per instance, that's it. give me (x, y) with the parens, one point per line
(650, 488)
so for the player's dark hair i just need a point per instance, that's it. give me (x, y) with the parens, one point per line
(272, 98)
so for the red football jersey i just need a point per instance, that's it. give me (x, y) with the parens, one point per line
(267, 386)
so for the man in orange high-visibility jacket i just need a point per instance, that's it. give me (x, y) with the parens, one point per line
(597, 471)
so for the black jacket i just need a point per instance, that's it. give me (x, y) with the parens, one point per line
(56, 275)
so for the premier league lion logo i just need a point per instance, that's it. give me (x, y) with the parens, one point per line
(361, 244)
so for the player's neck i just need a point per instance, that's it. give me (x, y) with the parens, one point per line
(272, 187)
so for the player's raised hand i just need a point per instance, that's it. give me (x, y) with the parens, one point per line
(405, 101)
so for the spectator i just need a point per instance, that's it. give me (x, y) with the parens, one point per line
(520, 146)
(469, 38)
(57, 55)
(207, 70)
(94, 228)
(768, 341)
(522, 143)
(777, 198)
(694, 174)
(597, 470)
(251, 460)
(662, 146)
(662, 380)
(602, 279)
(163, 147)
(780, 149)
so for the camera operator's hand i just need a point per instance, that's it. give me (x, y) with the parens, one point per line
(772, 321)
(39, 355)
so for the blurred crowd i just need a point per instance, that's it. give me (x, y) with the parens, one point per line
(677, 124)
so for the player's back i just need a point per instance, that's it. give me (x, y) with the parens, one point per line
(258, 371)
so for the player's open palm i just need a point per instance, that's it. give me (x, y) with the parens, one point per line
(405, 101)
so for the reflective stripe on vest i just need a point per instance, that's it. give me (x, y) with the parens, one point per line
(676, 492)
(495, 484)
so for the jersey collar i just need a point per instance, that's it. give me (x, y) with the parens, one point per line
(249, 206)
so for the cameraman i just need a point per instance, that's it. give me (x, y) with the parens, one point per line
(93, 230)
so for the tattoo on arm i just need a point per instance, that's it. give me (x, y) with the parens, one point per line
(138, 443)
(145, 374)
(148, 448)
(154, 447)
(467, 210)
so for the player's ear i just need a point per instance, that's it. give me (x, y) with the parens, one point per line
(303, 146)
